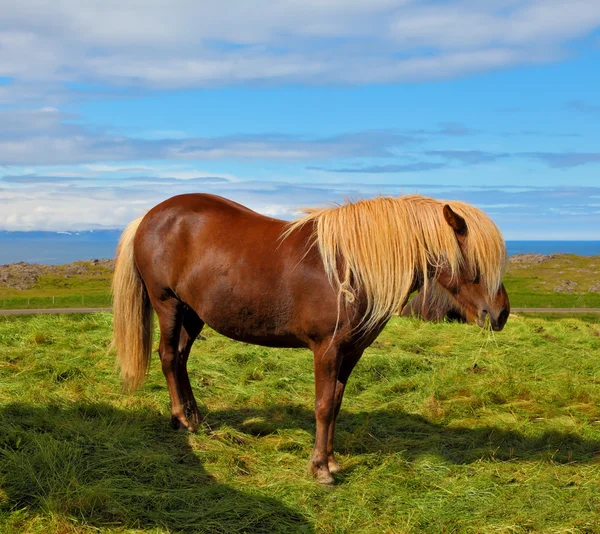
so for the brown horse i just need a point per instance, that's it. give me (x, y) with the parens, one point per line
(328, 281)
(435, 304)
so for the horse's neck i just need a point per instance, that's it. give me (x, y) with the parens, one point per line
(418, 281)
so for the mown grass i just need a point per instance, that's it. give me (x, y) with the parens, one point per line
(443, 429)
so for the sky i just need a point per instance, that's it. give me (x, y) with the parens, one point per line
(109, 107)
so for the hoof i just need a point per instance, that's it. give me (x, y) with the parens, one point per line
(192, 415)
(334, 467)
(175, 423)
(178, 424)
(321, 474)
(325, 479)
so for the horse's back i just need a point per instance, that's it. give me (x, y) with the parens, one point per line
(199, 232)
(197, 209)
(232, 266)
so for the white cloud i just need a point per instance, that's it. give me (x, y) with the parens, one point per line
(36, 203)
(193, 173)
(48, 136)
(473, 25)
(190, 43)
(55, 206)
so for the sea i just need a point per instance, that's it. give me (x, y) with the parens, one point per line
(54, 248)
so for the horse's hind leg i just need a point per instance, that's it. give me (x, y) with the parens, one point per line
(192, 326)
(170, 318)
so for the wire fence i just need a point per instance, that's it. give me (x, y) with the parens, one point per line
(66, 301)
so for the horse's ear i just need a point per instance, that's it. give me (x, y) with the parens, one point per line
(456, 222)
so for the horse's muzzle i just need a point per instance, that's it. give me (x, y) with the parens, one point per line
(497, 323)
(500, 321)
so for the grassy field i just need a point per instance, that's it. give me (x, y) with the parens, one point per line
(444, 429)
(59, 289)
(566, 281)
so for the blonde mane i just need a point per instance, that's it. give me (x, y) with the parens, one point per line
(378, 246)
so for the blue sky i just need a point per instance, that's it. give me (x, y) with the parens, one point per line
(109, 107)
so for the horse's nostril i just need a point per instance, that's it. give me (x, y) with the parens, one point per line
(500, 321)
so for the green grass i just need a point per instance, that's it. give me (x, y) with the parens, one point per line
(78, 300)
(528, 285)
(522, 295)
(534, 285)
(428, 441)
(586, 317)
(90, 288)
(545, 276)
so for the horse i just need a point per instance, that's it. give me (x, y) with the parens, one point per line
(435, 305)
(328, 281)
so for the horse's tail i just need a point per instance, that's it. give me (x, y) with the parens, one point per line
(133, 315)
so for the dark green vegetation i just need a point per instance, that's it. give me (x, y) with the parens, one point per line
(558, 281)
(445, 428)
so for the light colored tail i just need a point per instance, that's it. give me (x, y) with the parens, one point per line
(133, 315)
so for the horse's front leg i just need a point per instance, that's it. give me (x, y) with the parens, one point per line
(327, 360)
(350, 359)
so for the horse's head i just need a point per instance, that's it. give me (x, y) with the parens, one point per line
(467, 284)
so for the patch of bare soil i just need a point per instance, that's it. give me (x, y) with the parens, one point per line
(566, 286)
(532, 259)
(25, 275)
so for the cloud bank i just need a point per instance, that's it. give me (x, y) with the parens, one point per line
(129, 43)
(60, 203)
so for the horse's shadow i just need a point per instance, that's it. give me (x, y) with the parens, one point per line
(102, 466)
(413, 435)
